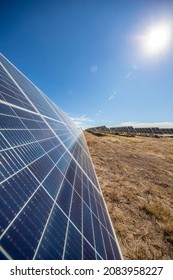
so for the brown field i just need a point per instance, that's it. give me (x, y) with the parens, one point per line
(136, 178)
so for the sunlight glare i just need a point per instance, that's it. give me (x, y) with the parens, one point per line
(157, 39)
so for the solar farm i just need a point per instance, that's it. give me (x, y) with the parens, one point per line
(132, 130)
(54, 206)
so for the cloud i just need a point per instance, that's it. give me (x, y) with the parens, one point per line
(112, 96)
(94, 69)
(83, 121)
(148, 124)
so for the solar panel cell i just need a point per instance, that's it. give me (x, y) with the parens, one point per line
(73, 248)
(65, 196)
(87, 225)
(52, 241)
(88, 252)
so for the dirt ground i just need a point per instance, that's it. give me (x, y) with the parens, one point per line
(136, 178)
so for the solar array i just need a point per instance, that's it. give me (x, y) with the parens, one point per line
(130, 129)
(51, 205)
(98, 128)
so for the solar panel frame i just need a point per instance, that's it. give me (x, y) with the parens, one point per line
(45, 157)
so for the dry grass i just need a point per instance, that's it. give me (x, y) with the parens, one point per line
(136, 177)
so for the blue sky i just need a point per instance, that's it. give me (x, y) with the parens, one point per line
(86, 57)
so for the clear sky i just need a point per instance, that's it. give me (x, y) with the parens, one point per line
(88, 57)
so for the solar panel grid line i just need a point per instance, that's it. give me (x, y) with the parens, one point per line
(8, 257)
(48, 219)
(40, 185)
(94, 213)
(34, 175)
(21, 118)
(75, 225)
(5, 160)
(50, 105)
(62, 142)
(112, 228)
(70, 215)
(69, 152)
(73, 144)
(107, 210)
(70, 219)
(65, 242)
(25, 165)
(97, 226)
(7, 228)
(25, 144)
(14, 98)
(22, 168)
(79, 144)
(61, 112)
(11, 77)
(21, 88)
(103, 225)
(92, 223)
(22, 75)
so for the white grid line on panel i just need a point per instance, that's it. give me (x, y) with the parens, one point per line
(3, 129)
(83, 237)
(70, 184)
(38, 143)
(113, 230)
(25, 144)
(86, 174)
(69, 123)
(13, 97)
(29, 111)
(5, 253)
(10, 224)
(92, 222)
(108, 231)
(56, 134)
(52, 207)
(47, 123)
(66, 235)
(26, 165)
(40, 184)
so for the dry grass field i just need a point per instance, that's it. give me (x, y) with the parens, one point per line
(136, 178)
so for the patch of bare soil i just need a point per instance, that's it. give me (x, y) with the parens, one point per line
(136, 178)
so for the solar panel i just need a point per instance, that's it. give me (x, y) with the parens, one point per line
(167, 130)
(51, 205)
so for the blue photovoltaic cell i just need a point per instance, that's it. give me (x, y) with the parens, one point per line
(52, 243)
(24, 234)
(51, 205)
(88, 252)
(76, 211)
(65, 196)
(53, 181)
(73, 248)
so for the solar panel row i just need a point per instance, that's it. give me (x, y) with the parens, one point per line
(51, 205)
(130, 129)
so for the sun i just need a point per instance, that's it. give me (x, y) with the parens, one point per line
(157, 39)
